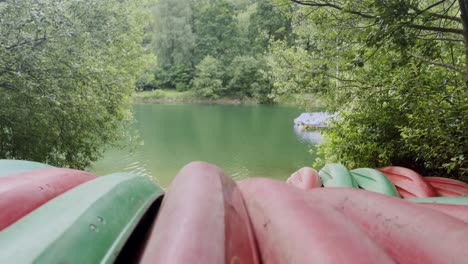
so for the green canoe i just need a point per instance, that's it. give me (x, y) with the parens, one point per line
(336, 175)
(8, 167)
(458, 200)
(88, 224)
(374, 180)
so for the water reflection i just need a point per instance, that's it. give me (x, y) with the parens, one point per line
(244, 140)
(309, 137)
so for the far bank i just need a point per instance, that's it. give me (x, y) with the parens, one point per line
(188, 97)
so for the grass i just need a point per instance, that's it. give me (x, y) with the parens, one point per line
(187, 97)
(163, 96)
(176, 97)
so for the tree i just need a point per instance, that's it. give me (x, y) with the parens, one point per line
(173, 44)
(174, 39)
(208, 81)
(395, 71)
(249, 77)
(268, 23)
(408, 25)
(67, 69)
(217, 33)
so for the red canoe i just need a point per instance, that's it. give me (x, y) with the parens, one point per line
(306, 178)
(202, 220)
(293, 229)
(447, 187)
(408, 232)
(23, 192)
(454, 210)
(408, 182)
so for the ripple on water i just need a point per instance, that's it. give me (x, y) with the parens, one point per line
(241, 173)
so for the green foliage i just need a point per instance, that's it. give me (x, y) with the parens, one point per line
(294, 71)
(249, 77)
(412, 122)
(217, 33)
(67, 69)
(208, 81)
(172, 77)
(393, 70)
(268, 23)
(188, 34)
(174, 39)
(160, 95)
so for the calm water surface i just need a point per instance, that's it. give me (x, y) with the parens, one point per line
(245, 141)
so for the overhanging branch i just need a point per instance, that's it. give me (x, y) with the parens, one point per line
(334, 6)
(438, 63)
(437, 29)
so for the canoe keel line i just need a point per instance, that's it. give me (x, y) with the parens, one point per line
(54, 215)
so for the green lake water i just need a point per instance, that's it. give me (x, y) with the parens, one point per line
(245, 141)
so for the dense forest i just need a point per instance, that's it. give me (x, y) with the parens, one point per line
(215, 48)
(395, 71)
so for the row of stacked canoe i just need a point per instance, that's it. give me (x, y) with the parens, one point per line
(394, 181)
(53, 215)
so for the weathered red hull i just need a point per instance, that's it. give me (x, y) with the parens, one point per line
(290, 227)
(306, 178)
(202, 220)
(408, 232)
(23, 192)
(408, 182)
(447, 187)
(454, 210)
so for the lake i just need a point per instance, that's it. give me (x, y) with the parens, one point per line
(244, 140)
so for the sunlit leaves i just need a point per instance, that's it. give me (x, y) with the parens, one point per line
(394, 71)
(67, 69)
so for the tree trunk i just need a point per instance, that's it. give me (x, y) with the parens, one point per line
(464, 17)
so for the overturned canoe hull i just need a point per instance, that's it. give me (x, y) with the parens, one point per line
(454, 210)
(291, 229)
(8, 167)
(202, 220)
(459, 200)
(408, 182)
(336, 175)
(306, 178)
(375, 181)
(409, 233)
(23, 192)
(88, 224)
(447, 187)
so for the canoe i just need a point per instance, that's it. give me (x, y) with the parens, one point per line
(447, 187)
(408, 182)
(374, 180)
(409, 233)
(202, 220)
(460, 200)
(306, 178)
(455, 210)
(292, 229)
(88, 224)
(336, 175)
(23, 192)
(8, 167)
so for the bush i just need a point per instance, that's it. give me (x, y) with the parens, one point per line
(249, 77)
(417, 120)
(208, 78)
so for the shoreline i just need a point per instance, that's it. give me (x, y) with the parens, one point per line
(175, 97)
